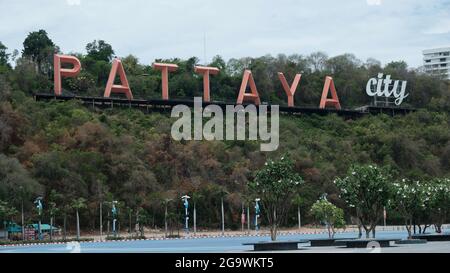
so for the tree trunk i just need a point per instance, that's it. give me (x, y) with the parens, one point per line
(273, 232)
(101, 222)
(23, 227)
(274, 226)
(130, 222)
(78, 226)
(65, 229)
(248, 219)
(51, 228)
(165, 222)
(195, 220)
(223, 217)
(367, 230)
(299, 218)
(107, 225)
(425, 228)
(438, 228)
(409, 229)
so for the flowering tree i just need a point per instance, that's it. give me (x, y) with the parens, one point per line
(367, 189)
(440, 202)
(409, 199)
(276, 184)
(329, 214)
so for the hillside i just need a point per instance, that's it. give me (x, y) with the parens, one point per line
(64, 151)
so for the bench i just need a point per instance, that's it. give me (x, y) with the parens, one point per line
(433, 237)
(329, 242)
(411, 242)
(276, 245)
(364, 243)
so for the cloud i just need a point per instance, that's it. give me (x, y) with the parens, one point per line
(374, 2)
(73, 2)
(441, 27)
(397, 30)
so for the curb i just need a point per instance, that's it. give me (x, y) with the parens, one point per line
(182, 238)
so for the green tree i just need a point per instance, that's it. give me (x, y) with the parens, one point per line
(100, 51)
(329, 214)
(53, 208)
(16, 184)
(298, 202)
(275, 184)
(7, 212)
(77, 205)
(409, 199)
(367, 188)
(40, 48)
(4, 57)
(440, 202)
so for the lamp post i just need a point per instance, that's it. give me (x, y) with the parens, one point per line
(186, 214)
(39, 208)
(223, 216)
(248, 217)
(22, 214)
(114, 215)
(257, 212)
(166, 202)
(101, 220)
(242, 218)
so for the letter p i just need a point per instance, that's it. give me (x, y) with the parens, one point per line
(66, 72)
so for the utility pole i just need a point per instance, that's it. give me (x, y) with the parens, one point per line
(223, 216)
(23, 227)
(242, 218)
(248, 219)
(165, 221)
(204, 49)
(101, 220)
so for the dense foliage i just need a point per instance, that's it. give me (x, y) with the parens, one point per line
(275, 184)
(366, 189)
(64, 151)
(328, 214)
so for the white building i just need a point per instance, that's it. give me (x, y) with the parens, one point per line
(437, 61)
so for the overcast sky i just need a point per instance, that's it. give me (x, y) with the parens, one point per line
(383, 29)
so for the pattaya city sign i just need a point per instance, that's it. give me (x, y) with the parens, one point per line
(382, 88)
(374, 86)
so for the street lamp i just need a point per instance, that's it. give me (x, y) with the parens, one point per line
(22, 214)
(114, 214)
(39, 208)
(186, 207)
(257, 212)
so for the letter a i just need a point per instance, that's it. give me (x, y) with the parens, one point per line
(67, 72)
(114, 88)
(334, 101)
(290, 91)
(253, 96)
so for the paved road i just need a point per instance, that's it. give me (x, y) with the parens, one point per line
(203, 245)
